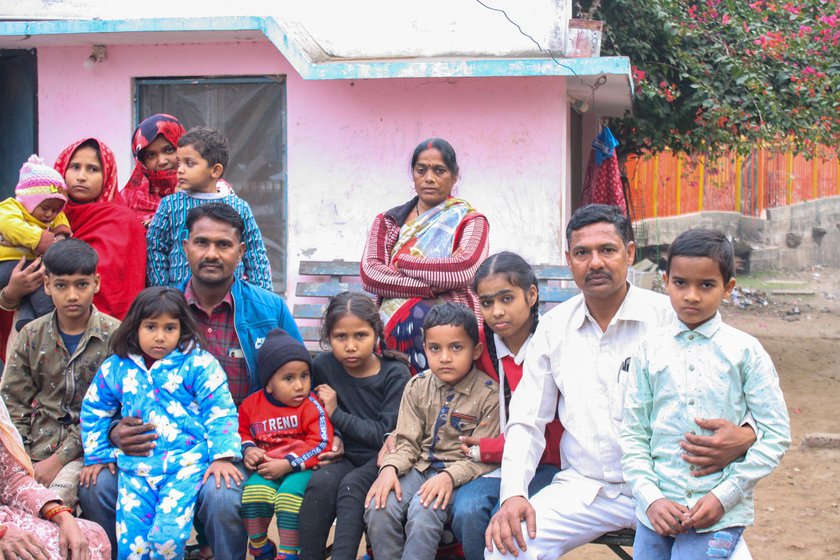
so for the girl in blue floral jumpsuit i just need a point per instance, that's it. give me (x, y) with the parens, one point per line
(159, 373)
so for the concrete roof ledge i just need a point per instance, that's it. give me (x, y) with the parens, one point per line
(313, 62)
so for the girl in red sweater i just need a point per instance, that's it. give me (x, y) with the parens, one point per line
(508, 297)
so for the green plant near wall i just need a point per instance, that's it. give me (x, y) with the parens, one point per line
(717, 74)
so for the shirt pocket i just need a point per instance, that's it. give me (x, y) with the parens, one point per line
(462, 424)
(619, 391)
(83, 373)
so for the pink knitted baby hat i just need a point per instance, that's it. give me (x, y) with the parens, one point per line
(39, 182)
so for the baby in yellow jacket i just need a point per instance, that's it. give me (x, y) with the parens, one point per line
(29, 223)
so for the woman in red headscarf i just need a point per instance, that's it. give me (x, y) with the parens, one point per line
(155, 176)
(90, 171)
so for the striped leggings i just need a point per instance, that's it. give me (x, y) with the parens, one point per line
(262, 498)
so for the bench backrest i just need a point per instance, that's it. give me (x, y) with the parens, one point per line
(333, 277)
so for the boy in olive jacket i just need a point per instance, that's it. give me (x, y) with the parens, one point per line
(54, 360)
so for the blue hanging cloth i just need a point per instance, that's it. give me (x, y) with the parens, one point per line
(604, 145)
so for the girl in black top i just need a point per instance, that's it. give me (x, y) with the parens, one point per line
(360, 383)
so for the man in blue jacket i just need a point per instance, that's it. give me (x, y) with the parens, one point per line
(234, 317)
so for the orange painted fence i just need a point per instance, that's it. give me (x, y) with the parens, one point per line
(669, 184)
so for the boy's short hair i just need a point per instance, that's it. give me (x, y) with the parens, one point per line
(709, 243)
(452, 315)
(598, 213)
(220, 212)
(209, 142)
(70, 256)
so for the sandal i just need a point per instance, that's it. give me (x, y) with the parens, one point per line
(194, 552)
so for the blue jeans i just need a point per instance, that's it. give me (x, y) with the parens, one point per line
(217, 510)
(649, 545)
(475, 503)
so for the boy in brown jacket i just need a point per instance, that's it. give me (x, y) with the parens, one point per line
(417, 480)
(54, 360)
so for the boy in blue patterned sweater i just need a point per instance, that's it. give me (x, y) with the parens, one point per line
(202, 158)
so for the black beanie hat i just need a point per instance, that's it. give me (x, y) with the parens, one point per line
(278, 349)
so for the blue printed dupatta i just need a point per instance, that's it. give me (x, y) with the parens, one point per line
(432, 235)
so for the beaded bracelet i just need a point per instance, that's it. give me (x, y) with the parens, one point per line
(50, 511)
(55, 511)
(3, 529)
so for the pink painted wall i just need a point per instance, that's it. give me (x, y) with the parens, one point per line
(349, 143)
(75, 102)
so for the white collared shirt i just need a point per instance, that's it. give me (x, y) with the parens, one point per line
(502, 351)
(569, 353)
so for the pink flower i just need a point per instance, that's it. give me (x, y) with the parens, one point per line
(638, 75)
(791, 9)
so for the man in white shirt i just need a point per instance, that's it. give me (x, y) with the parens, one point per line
(582, 351)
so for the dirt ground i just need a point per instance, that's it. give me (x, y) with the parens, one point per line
(798, 506)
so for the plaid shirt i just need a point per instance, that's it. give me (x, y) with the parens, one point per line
(223, 342)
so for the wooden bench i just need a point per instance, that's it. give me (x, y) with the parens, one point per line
(333, 277)
(617, 542)
(330, 278)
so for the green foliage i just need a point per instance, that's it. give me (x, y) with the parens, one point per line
(719, 74)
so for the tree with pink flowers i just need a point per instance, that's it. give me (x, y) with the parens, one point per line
(728, 74)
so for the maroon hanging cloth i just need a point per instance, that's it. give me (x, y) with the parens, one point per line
(602, 182)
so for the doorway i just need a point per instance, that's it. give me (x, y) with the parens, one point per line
(18, 114)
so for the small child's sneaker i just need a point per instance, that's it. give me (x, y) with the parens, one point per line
(264, 552)
(286, 556)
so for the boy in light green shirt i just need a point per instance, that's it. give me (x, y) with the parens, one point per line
(698, 367)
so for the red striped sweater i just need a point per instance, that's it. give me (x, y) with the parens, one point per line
(448, 278)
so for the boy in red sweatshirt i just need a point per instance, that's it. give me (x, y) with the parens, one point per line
(283, 429)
